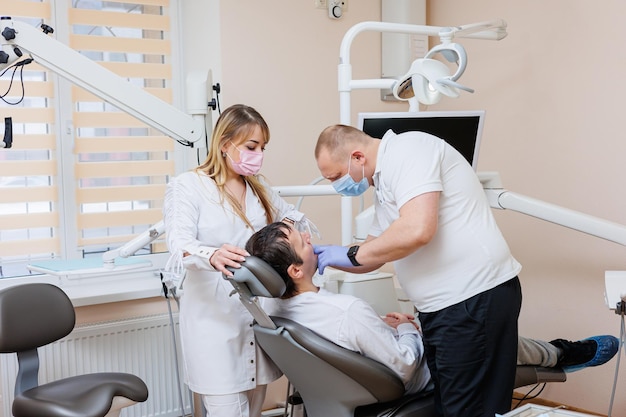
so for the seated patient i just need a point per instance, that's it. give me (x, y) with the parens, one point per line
(394, 340)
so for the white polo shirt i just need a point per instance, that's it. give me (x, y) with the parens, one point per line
(468, 254)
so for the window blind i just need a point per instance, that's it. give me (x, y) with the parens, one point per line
(82, 176)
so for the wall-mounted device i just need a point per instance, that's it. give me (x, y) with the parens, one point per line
(336, 8)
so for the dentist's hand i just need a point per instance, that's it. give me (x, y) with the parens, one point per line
(331, 255)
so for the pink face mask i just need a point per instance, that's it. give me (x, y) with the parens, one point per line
(250, 162)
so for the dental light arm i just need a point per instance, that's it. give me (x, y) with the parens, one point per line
(19, 38)
(492, 30)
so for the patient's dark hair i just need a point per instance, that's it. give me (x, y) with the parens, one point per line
(271, 244)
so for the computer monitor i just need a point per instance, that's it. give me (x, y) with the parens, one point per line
(461, 129)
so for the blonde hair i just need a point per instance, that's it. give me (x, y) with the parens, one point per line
(335, 139)
(236, 124)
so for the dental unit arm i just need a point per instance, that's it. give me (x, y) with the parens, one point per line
(19, 38)
(500, 198)
(503, 199)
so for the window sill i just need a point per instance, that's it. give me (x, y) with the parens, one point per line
(103, 288)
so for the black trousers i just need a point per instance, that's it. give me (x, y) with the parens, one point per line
(471, 349)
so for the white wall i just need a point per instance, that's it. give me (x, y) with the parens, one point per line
(553, 131)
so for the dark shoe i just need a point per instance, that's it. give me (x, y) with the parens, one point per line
(593, 351)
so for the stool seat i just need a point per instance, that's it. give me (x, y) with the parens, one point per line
(34, 315)
(87, 395)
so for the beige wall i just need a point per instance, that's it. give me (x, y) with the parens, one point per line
(552, 130)
(551, 90)
(283, 61)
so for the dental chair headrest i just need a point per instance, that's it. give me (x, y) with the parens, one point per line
(260, 278)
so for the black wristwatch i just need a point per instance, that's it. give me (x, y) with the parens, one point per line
(352, 255)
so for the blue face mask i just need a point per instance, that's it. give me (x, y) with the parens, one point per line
(349, 187)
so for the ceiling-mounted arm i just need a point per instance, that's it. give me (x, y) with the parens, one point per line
(490, 30)
(19, 38)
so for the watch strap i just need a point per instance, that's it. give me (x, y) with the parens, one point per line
(352, 255)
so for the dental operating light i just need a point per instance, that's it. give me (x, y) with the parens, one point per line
(428, 79)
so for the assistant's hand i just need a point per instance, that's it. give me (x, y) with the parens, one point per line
(331, 255)
(228, 255)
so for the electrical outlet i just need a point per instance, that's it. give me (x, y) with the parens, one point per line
(615, 282)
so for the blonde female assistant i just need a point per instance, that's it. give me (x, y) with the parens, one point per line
(209, 214)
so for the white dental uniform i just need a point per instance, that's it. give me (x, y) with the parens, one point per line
(219, 351)
(468, 254)
(353, 324)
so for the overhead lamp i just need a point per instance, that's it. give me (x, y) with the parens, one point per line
(428, 78)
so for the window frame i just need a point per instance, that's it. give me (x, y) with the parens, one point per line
(96, 288)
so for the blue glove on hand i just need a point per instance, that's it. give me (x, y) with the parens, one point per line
(331, 255)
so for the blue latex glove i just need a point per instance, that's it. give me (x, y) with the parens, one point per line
(331, 255)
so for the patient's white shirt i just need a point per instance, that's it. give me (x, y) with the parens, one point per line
(352, 323)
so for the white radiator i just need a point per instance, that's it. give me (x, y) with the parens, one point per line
(141, 346)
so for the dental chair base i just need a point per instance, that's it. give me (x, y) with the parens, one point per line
(530, 375)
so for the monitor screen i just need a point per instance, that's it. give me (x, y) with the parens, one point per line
(461, 129)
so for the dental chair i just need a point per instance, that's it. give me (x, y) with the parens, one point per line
(34, 315)
(332, 380)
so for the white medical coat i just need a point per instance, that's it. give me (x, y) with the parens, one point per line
(219, 351)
